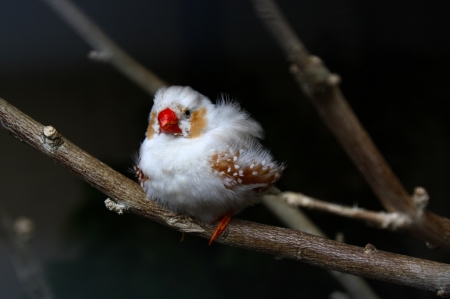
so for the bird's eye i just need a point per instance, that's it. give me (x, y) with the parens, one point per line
(187, 113)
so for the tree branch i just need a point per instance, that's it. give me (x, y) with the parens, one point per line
(321, 87)
(393, 221)
(296, 219)
(105, 49)
(280, 242)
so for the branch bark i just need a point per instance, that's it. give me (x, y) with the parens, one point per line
(392, 221)
(280, 242)
(105, 49)
(294, 218)
(321, 87)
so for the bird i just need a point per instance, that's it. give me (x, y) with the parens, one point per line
(203, 159)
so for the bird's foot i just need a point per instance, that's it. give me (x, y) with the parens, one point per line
(221, 226)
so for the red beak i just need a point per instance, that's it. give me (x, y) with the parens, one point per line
(168, 122)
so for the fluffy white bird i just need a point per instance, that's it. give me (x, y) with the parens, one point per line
(203, 159)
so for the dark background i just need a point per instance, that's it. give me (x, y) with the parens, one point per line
(394, 61)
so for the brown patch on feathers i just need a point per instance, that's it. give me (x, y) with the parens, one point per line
(257, 173)
(198, 122)
(140, 175)
(150, 130)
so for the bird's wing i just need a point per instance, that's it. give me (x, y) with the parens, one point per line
(140, 175)
(252, 168)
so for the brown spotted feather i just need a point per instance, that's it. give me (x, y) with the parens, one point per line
(226, 165)
(140, 175)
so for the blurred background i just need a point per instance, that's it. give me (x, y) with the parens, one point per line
(392, 56)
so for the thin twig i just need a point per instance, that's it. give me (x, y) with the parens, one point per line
(281, 242)
(321, 87)
(105, 49)
(391, 221)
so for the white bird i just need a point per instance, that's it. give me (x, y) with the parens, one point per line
(203, 159)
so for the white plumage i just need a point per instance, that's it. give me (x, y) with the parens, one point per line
(202, 159)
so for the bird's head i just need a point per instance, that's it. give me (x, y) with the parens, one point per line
(178, 111)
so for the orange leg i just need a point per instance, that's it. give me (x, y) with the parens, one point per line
(221, 226)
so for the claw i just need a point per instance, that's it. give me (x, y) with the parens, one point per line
(221, 226)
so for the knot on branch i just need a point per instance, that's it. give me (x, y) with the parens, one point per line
(297, 199)
(115, 207)
(369, 249)
(395, 221)
(420, 198)
(23, 227)
(313, 76)
(101, 56)
(51, 137)
(442, 293)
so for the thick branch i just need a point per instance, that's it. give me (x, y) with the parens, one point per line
(281, 242)
(322, 88)
(105, 47)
